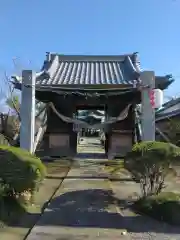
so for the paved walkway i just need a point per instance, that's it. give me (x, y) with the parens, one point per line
(84, 208)
(138, 226)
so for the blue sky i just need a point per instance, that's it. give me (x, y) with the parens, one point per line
(151, 27)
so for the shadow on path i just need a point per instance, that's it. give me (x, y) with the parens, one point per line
(90, 155)
(95, 209)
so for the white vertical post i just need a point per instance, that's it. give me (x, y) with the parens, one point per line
(148, 112)
(27, 111)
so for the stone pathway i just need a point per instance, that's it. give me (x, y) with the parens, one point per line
(140, 227)
(85, 208)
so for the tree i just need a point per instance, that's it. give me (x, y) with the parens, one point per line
(173, 132)
(150, 163)
(13, 103)
(10, 121)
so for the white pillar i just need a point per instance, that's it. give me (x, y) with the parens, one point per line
(148, 113)
(27, 111)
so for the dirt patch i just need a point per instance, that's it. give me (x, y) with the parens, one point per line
(20, 229)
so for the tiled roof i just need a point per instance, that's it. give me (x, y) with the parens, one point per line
(163, 82)
(163, 116)
(67, 70)
(169, 104)
(162, 113)
(63, 69)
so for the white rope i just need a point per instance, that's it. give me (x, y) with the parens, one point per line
(68, 119)
(123, 115)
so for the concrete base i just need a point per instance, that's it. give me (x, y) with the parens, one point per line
(59, 145)
(119, 144)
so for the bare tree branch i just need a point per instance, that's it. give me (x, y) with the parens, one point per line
(11, 91)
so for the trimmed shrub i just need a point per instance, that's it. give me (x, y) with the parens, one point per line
(150, 162)
(11, 210)
(3, 140)
(164, 207)
(20, 170)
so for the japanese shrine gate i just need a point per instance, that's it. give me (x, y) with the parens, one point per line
(68, 83)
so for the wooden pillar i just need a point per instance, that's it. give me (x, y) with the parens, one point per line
(148, 113)
(27, 111)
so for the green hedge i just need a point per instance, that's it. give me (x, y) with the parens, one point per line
(150, 153)
(164, 148)
(164, 207)
(20, 170)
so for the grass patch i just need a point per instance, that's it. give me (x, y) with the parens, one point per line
(57, 166)
(115, 167)
(17, 219)
(164, 207)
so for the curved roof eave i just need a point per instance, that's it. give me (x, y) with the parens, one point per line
(65, 70)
